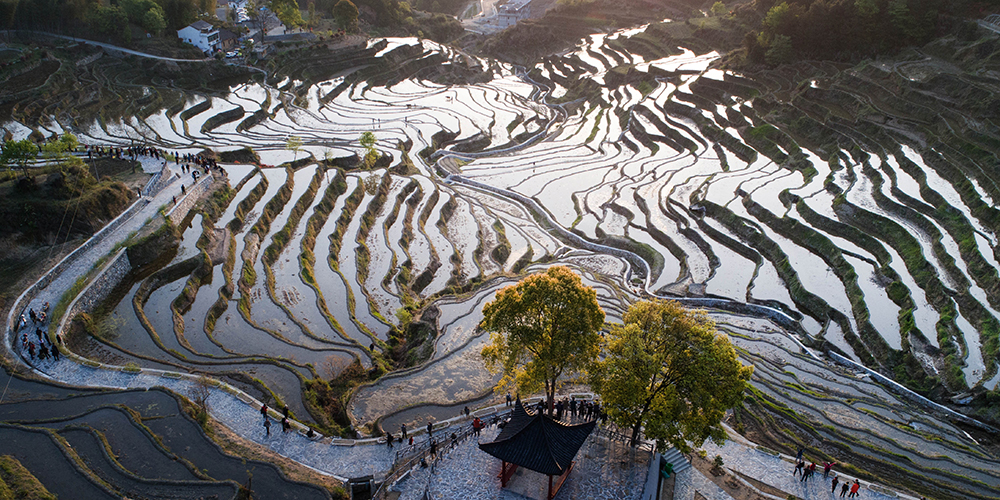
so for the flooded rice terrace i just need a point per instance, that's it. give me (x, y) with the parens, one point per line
(646, 175)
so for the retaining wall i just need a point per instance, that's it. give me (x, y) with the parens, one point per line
(156, 183)
(152, 187)
(181, 209)
(98, 290)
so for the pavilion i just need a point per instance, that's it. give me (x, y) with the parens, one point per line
(537, 442)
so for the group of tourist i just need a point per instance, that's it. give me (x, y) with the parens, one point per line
(285, 423)
(119, 153)
(589, 410)
(198, 159)
(808, 471)
(44, 347)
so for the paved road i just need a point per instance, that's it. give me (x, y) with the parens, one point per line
(113, 47)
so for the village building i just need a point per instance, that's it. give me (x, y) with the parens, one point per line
(201, 35)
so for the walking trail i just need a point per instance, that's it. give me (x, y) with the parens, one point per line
(240, 412)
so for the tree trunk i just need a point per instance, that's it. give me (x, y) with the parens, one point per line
(550, 396)
(635, 433)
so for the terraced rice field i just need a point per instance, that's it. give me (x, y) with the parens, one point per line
(117, 444)
(861, 220)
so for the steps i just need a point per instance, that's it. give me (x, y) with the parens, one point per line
(679, 461)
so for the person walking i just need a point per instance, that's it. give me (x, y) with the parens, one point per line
(466, 412)
(267, 426)
(843, 488)
(833, 489)
(430, 430)
(402, 430)
(434, 453)
(388, 439)
(263, 410)
(798, 468)
(854, 489)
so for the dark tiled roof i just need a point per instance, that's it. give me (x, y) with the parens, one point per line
(201, 25)
(538, 442)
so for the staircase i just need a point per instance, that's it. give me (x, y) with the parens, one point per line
(678, 460)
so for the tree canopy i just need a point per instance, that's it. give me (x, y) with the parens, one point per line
(782, 30)
(540, 329)
(346, 14)
(294, 144)
(668, 372)
(18, 153)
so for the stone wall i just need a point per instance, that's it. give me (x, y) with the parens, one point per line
(181, 209)
(651, 490)
(153, 186)
(109, 278)
(89, 59)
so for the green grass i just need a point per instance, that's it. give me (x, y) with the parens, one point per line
(18, 483)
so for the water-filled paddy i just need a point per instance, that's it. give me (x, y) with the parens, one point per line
(693, 174)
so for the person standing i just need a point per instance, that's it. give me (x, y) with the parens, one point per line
(267, 426)
(826, 469)
(854, 489)
(388, 439)
(402, 429)
(263, 410)
(434, 453)
(430, 430)
(798, 456)
(508, 399)
(833, 489)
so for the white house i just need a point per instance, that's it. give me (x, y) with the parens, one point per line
(201, 35)
(514, 11)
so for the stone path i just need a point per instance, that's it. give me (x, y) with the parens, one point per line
(769, 469)
(603, 469)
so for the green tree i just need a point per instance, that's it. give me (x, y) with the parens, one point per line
(367, 141)
(866, 8)
(346, 14)
(311, 10)
(294, 144)
(719, 9)
(780, 51)
(59, 147)
(540, 329)
(288, 13)
(18, 153)
(179, 13)
(153, 21)
(668, 371)
(777, 17)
